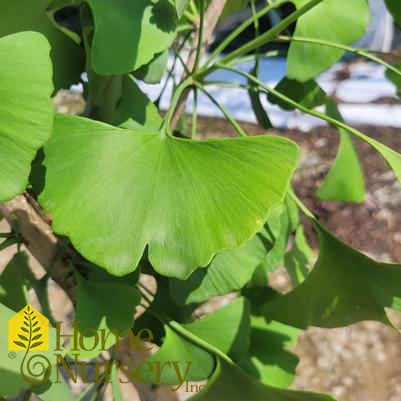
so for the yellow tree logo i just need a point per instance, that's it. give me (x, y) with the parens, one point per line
(27, 330)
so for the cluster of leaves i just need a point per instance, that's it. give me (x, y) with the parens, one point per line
(204, 217)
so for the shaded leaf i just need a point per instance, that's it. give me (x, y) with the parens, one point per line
(229, 382)
(25, 85)
(177, 193)
(95, 311)
(13, 291)
(67, 56)
(339, 21)
(394, 7)
(229, 271)
(268, 359)
(308, 94)
(152, 72)
(227, 329)
(343, 288)
(128, 34)
(298, 257)
(34, 345)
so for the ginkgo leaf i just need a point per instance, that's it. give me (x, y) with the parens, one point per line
(186, 200)
(229, 271)
(227, 329)
(341, 21)
(343, 288)
(26, 110)
(345, 180)
(95, 311)
(128, 34)
(229, 382)
(67, 56)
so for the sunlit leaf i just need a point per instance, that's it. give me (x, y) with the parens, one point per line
(186, 200)
(340, 21)
(345, 179)
(26, 110)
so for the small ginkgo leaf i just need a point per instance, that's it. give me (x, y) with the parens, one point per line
(36, 344)
(20, 344)
(128, 34)
(186, 200)
(22, 337)
(340, 21)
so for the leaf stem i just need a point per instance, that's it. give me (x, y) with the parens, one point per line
(358, 51)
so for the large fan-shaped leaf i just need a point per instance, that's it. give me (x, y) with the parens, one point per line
(128, 34)
(67, 56)
(341, 21)
(344, 287)
(229, 382)
(186, 200)
(26, 110)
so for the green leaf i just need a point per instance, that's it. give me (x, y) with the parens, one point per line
(298, 257)
(229, 271)
(20, 344)
(67, 56)
(343, 288)
(268, 359)
(180, 358)
(135, 110)
(227, 329)
(13, 291)
(257, 106)
(152, 73)
(180, 7)
(395, 78)
(56, 388)
(165, 192)
(229, 382)
(345, 179)
(394, 7)
(308, 94)
(339, 21)
(128, 34)
(233, 6)
(99, 308)
(26, 110)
